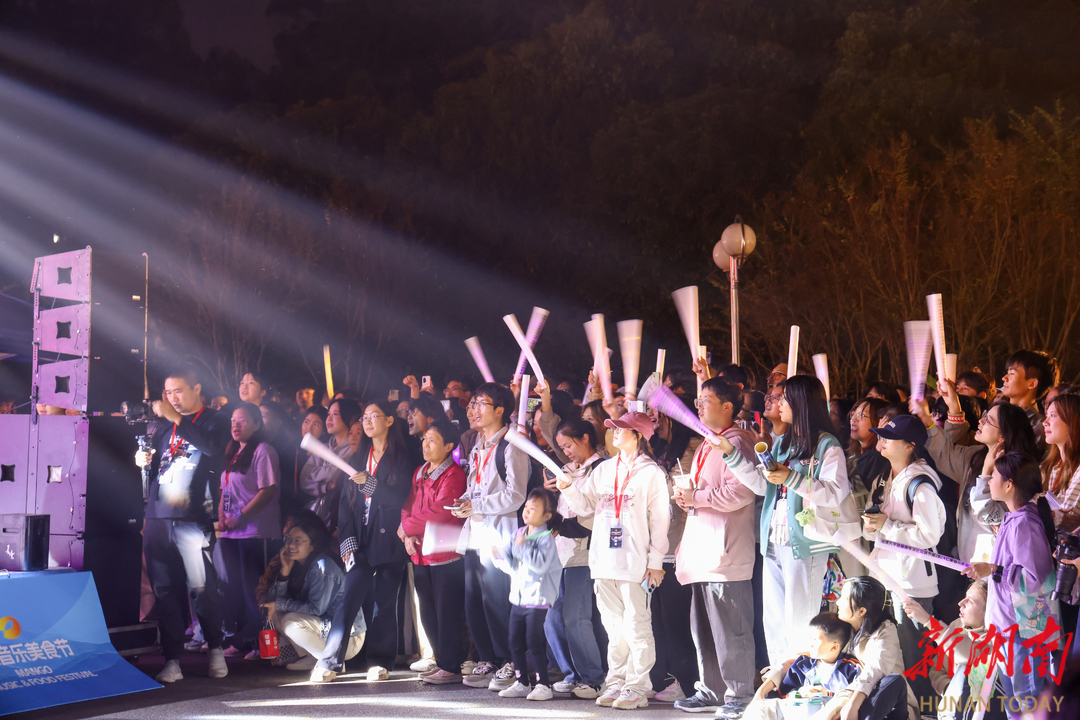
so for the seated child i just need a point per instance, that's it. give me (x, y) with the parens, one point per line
(812, 679)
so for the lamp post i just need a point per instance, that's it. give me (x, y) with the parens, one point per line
(735, 245)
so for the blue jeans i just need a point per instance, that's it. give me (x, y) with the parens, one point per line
(1021, 691)
(570, 631)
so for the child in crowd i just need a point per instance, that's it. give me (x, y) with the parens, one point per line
(531, 560)
(812, 679)
(1022, 568)
(629, 500)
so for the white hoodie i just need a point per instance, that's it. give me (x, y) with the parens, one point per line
(643, 515)
(920, 527)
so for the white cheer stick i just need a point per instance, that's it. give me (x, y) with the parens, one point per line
(793, 352)
(594, 330)
(630, 346)
(917, 337)
(936, 558)
(821, 369)
(536, 324)
(856, 550)
(529, 447)
(661, 356)
(950, 366)
(659, 396)
(937, 327)
(515, 330)
(473, 344)
(686, 302)
(523, 401)
(319, 450)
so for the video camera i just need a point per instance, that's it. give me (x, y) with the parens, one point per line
(139, 411)
(1068, 548)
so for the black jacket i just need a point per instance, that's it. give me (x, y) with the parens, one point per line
(377, 541)
(197, 500)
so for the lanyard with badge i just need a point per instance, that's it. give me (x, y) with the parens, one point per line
(615, 540)
(226, 494)
(702, 454)
(480, 468)
(174, 446)
(372, 467)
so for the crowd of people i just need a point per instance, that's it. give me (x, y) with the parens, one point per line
(787, 564)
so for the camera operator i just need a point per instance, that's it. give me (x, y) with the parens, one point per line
(189, 446)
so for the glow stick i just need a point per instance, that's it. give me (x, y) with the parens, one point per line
(917, 337)
(515, 330)
(943, 560)
(473, 344)
(853, 547)
(329, 374)
(529, 447)
(703, 352)
(661, 355)
(793, 351)
(523, 402)
(320, 450)
(598, 337)
(821, 369)
(536, 324)
(937, 327)
(660, 397)
(686, 302)
(950, 366)
(630, 347)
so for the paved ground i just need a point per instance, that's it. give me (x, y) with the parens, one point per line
(256, 691)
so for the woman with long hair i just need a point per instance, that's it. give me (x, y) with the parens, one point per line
(369, 515)
(249, 517)
(1061, 469)
(811, 470)
(302, 588)
(320, 480)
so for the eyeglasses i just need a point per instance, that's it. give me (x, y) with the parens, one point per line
(985, 420)
(477, 404)
(372, 417)
(702, 401)
(861, 416)
(295, 542)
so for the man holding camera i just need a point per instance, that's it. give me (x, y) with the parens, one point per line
(185, 466)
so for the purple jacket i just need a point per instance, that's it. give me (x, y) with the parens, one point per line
(1023, 595)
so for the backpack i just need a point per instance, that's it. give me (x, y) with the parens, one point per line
(947, 542)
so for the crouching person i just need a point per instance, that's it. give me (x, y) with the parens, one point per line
(302, 588)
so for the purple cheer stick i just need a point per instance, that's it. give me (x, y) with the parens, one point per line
(660, 397)
(536, 324)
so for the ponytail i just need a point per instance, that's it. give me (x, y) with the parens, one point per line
(1047, 518)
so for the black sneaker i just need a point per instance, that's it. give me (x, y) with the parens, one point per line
(696, 704)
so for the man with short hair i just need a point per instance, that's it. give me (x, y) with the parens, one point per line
(1029, 375)
(457, 387)
(423, 411)
(498, 475)
(716, 559)
(178, 532)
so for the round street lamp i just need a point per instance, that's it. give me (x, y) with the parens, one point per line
(735, 245)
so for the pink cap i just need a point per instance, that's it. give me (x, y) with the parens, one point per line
(633, 421)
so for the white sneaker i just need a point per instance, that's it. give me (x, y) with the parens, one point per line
(504, 678)
(377, 672)
(585, 692)
(517, 690)
(467, 667)
(423, 665)
(609, 696)
(306, 663)
(564, 688)
(170, 673)
(540, 692)
(630, 699)
(671, 693)
(322, 675)
(218, 668)
(195, 646)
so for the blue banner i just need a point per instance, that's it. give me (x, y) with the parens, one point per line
(54, 646)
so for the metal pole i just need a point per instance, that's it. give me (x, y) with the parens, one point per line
(734, 269)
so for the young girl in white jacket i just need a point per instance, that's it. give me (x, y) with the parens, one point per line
(628, 497)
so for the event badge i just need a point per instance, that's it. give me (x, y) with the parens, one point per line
(616, 537)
